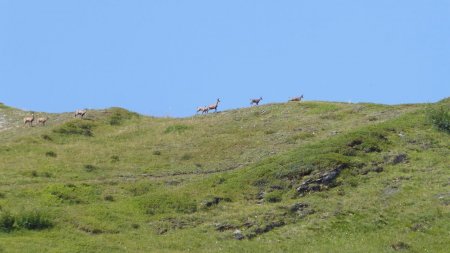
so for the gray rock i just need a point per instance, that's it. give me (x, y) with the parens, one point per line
(399, 158)
(238, 234)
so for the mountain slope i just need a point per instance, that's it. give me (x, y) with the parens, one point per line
(313, 176)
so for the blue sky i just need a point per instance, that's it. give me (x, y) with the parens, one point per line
(166, 57)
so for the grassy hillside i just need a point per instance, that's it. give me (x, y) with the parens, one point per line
(309, 176)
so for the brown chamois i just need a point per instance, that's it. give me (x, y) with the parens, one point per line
(42, 120)
(29, 120)
(296, 98)
(255, 100)
(203, 109)
(81, 113)
(214, 106)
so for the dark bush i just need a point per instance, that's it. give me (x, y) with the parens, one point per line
(46, 137)
(89, 167)
(50, 154)
(115, 158)
(156, 152)
(78, 127)
(33, 220)
(6, 221)
(273, 197)
(440, 117)
(186, 157)
(108, 198)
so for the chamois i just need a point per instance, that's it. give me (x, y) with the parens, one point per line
(80, 112)
(214, 106)
(203, 109)
(255, 101)
(42, 120)
(29, 120)
(296, 98)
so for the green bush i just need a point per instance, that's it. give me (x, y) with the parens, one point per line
(274, 196)
(115, 158)
(50, 154)
(33, 220)
(89, 167)
(440, 117)
(6, 221)
(78, 127)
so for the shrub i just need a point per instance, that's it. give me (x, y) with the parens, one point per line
(186, 157)
(440, 117)
(6, 221)
(50, 154)
(46, 137)
(115, 158)
(78, 127)
(33, 220)
(108, 198)
(273, 197)
(89, 167)
(156, 152)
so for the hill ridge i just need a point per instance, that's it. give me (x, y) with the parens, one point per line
(310, 176)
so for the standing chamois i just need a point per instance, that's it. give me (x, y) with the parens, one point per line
(203, 109)
(296, 98)
(255, 101)
(214, 106)
(29, 120)
(42, 120)
(80, 113)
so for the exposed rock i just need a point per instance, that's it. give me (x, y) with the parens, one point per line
(269, 227)
(399, 158)
(396, 158)
(276, 187)
(323, 181)
(330, 176)
(238, 234)
(212, 201)
(298, 207)
(224, 226)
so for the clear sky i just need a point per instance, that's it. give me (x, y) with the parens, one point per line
(166, 57)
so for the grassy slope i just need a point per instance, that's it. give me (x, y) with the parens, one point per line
(141, 184)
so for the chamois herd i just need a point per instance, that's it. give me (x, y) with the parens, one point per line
(201, 109)
(253, 101)
(42, 120)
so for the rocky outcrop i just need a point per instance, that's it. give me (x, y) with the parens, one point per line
(323, 181)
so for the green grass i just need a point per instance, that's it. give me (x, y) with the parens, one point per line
(117, 181)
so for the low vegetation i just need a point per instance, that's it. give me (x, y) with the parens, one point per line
(439, 116)
(294, 177)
